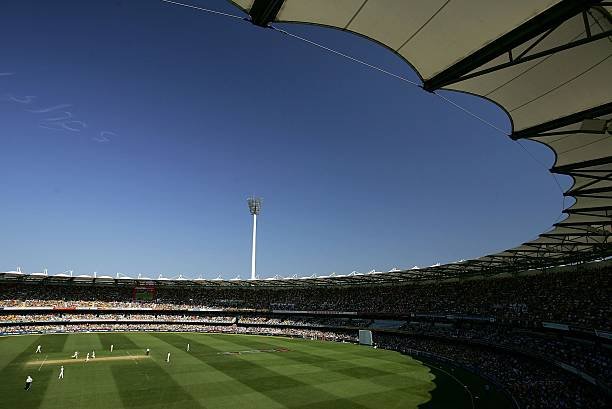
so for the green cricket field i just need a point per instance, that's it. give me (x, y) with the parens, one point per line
(223, 371)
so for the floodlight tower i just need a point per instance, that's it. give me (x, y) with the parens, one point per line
(254, 207)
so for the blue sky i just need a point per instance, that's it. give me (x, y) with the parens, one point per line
(132, 132)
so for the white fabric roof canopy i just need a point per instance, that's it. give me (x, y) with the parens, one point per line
(547, 63)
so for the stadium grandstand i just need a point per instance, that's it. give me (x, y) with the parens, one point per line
(533, 324)
(541, 336)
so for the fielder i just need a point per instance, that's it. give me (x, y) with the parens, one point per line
(75, 355)
(187, 347)
(28, 384)
(87, 357)
(38, 349)
(61, 375)
(112, 346)
(168, 357)
(147, 352)
(93, 354)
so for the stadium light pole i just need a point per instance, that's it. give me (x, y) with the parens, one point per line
(254, 207)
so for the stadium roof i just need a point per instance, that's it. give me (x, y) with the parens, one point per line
(546, 63)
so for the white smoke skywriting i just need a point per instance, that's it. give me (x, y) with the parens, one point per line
(58, 119)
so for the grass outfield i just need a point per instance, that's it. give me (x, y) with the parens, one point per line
(219, 371)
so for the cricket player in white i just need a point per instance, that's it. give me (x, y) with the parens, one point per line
(187, 347)
(112, 346)
(61, 375)
(93, 354)
(87, 357)
(168, 357)
(28, 384)
(75, 355)
(38, 351)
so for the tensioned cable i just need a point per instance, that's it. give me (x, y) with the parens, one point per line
(467, 111)
(447, 100)
(532, 156)
(203, 9)
(353, 59)
(552, 175)
(379, 69)
(399, 77)
(481, 119)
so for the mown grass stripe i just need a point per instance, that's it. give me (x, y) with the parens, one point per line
(214, 380)
(15, 373)
(85, 385)
(119, 341)
(406, 376)
(12, 346)
(401, 376)
(213, 387)
(147, 385)
(285, 390)
(342, 364)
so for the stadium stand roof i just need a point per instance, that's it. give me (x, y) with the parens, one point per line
(546, 63)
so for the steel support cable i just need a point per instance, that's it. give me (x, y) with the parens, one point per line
(220, 13)
(396, 76)
(442, 97)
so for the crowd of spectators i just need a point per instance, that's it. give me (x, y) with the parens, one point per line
(580, 298)
(178, 327)
(61, 317)
(306, 321)
(589, 356)
(536, 384)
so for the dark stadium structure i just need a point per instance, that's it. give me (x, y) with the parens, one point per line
(542, 337)
(534, 320)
